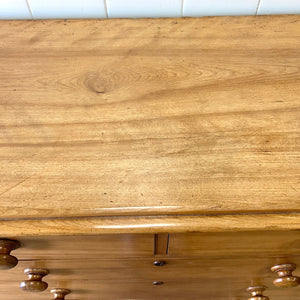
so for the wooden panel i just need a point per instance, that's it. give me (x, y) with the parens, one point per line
(208, 278)
(161, 244)
(85, 247)
(118, 117)
(151, 224)
(225, 244)
(253, 244)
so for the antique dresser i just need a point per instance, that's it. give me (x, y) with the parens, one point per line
(150, 159)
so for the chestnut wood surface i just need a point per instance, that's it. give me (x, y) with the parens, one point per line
(147, 117)
(231, 244)
(121, 246)
(208, 278)
(210, 265)
(185, 129)
(151, 224)
(85, 247)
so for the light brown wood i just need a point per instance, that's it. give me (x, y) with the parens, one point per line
(231, 244)
(144, 117)
(257, 292)
(210, 277)
(151, 224)
(35, 281)
(161, 244)
(86, 247)
(196, 263)
(286, 278)
(222, 244)
(166, 127)
(59, 294)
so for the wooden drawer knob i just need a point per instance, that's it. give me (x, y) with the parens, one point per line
(59, 294)
(8, 261)
(257, 292)
(34, 282)
(286, 278)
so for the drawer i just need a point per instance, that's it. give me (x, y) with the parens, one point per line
(207, 278)
(225, 244)
(258, 243)
(85, 247)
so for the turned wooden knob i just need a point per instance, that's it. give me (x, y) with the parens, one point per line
(8, 261)
(34, 282)
(59, 294)
(286, 278)
(257, 292)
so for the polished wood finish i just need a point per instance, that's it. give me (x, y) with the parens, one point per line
(144, 117)
(231, 244)
(151, 224)
(34, 282)
(195, 261)
(218, 263)
(257, 292)
(8, 261)
(286, 278)
(161, 244)
(59, 294)
(225, 244)
(179, 136)
(212, 277)
(86, 247)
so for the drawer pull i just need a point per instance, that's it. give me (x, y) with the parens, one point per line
(257, 292)
(59, 294)
(158, 282)
(34, 282)
(8, 261)
(286, 278)
(159, 263)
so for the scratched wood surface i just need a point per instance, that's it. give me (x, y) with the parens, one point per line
(145, 117)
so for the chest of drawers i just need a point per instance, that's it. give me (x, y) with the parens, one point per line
(151, 159)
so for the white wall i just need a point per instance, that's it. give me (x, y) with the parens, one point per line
(44, 9)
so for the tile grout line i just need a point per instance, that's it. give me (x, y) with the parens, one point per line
(105, 7)
(257, 7)
(182, 8)
(29, 8)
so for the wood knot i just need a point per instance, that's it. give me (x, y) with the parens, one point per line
(95, 83)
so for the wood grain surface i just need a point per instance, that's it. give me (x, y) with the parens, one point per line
(147, 117)
(256, 244)
(180, 245)
(209, 278)
(122, 246)
(199, 265)
(150, 224)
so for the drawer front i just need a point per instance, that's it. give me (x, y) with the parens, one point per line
(85, 247)
(207, 278)
(260, 243)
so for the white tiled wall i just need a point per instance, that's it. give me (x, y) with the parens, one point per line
(267, 7)
(14, 9)
(41, 9)
(47, 9)
(195, 8)
(140, 8)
